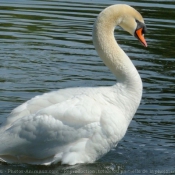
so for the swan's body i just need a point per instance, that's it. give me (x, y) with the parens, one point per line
(79, 125)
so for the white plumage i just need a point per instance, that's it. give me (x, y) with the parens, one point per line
(78, 125)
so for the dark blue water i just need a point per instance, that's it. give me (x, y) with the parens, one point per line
(47, 45)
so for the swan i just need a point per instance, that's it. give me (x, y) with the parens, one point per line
(79, 125)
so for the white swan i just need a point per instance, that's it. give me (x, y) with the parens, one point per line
(79, 125)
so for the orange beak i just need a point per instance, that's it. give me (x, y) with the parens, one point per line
(141, 37)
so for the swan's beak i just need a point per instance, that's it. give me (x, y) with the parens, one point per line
(140, 36)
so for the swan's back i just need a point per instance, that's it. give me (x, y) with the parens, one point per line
(62, 130)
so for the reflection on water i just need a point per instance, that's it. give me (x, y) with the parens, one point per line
(47, 45)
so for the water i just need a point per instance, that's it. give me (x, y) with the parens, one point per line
(47, 45)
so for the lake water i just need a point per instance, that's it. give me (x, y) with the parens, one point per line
(47, 45)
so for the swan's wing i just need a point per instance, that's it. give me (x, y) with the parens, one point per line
(52, 129)
(40, 102)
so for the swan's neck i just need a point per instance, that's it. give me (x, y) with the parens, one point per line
(114, 57)
(108, 49)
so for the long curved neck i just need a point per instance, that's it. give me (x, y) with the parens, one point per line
(110, 52)
(128, 88)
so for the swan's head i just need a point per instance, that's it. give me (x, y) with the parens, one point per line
(132, 22)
